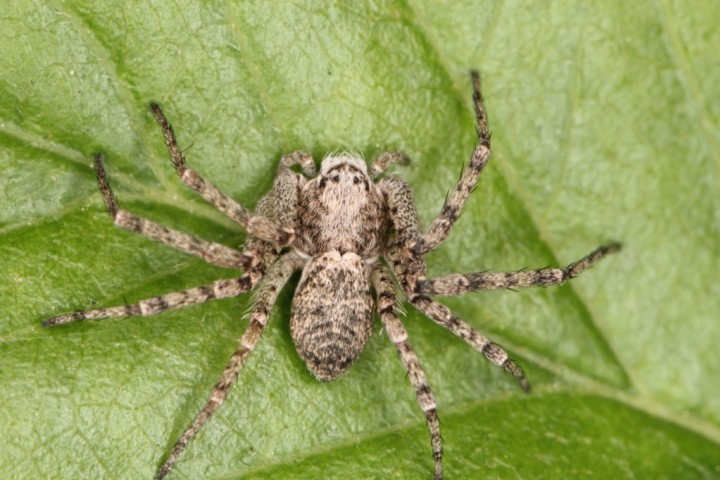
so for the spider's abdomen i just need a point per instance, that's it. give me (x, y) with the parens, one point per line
(332, 313)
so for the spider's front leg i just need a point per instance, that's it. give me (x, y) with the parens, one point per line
(257, 225)
(439, 229)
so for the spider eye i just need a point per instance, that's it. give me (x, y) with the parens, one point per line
(336, 178)
(356, 180)
(323, 181)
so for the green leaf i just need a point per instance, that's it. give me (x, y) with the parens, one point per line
(605, 118)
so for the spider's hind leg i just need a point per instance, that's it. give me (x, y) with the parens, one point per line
(278, 273)
(386, 305)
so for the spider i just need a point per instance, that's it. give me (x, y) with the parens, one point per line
(350, 232)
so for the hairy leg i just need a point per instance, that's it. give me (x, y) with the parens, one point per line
(220, 289)
(409, 268)
(386, 305)
(256, 225)
(277, 275)
(442, 315)
(440, 227)
(458, 284)
(211, 252)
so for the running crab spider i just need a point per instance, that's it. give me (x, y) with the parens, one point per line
(351, 233)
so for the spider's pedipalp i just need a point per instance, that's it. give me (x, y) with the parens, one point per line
(303, 159)
(386, 159)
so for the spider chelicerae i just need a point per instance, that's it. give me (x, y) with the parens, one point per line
(350, 232)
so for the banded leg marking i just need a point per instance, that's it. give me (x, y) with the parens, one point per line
(211, 252)
(386, 304)
(457, 284)
(442, 315)
(268, 291)
(220, 289)
(440, 227)
(256, 225)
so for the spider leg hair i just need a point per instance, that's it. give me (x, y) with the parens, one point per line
(211, 252)
(256, 225)
(442, 315)
(231, 287)
(386, 305)
(277, 275)
(458, 284)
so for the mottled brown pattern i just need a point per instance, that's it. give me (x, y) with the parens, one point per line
(348, 232)
(331, 330)
(342, 210)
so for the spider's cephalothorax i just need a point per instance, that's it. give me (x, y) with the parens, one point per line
(350, 234)
(341, 209)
